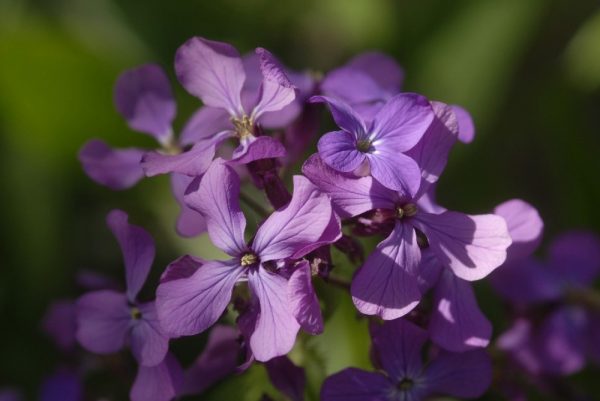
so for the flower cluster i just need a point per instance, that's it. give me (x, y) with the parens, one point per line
(373, 176)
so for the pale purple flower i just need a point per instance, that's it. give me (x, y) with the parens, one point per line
(161, 382)
(108, 320)
(397, 347)
(472, 246)
(191, 304)
(396, 128)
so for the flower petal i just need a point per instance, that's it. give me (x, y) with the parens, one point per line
(103, 320)
(466, 126)
(192, 162)
(217, 198)
(524, 225)
(351, 196)
(205, 124)
(144, 98)
(276, 328)
(64, 385)
(303, 299)
(182, 267)
(137, 247)
(212, 71)
(386, 284)
(257, 148)
(60, 323)
(276, 91)
(191, 305)
(353, 86)
(402, 122)
(295, 226)
(338, 149)
(457, 324)
(343, 115)
(430, 270)
(149, 344)
(158, 383)
(114, 168)
(575, 257)
(465, 375)
(287, 377)
(472, 246)
(396, 171)
(353, 384)
(190, 223)
(380, 67)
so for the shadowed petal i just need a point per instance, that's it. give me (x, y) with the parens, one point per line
(192, 162)
(149, 344)
(262, 147)
(386, 285)
(430, 270)
(381, 68)
(217, 198)
(182, 267)
(356, 385)
(351, 196)
(64, 385)
(575, 257)
(276, 90)
(191, 305)
(472, 246)
(524, 225)
(158, 383)
(287, 377)
(60, 323)
(276, 328)
(353, 86)
(466, 127)
(295, 226)
(114, 168)
(457, 324)
(338, 149)
(303, 299)
(103, 320)
(143, 97)
(190, 223)
(213, 72)
(395, 171)
(137, 247)
(343, 115)
(205, 124)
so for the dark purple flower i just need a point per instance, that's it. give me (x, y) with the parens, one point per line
(287, 377)
(108, 320)
(60, 323)
(63, 385)
(190, 305)
(396, 128)
(397, 350)
(387, 283)
(162, 382)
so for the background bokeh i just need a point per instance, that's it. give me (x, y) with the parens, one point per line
(529, 72)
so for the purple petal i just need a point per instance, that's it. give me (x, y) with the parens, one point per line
(524, 225)
(103, 321)
(303, 299)
(472, 246)
(276, 328)
(430, 270)
(276, 90)
(466, 375)
(189, 222)
(162, 382)
(218, 360)
(466, 127)
(402, 122)
(192, 162)
(344, 116)
(593, 334)
(143, 97)
(431, 153)
(351, 196)
(287, 377)
(63, 385)
(60, 323)
(191, 305)
(180, 268)
(296, 226)
(382, 68)
(575, 257)
(457, 324)
(395, 171)
(217, 199)
(299, 134)
(149, 343)
(114, 168)
(137, 247)
(353, 86)
(212, 71)
(339, 150)
(205, 124)
(353, 384)
(386, 285)
(398, 344)
(257, 148)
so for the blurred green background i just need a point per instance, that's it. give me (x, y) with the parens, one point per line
(528, 70)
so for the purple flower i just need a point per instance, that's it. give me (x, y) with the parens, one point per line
(60, 324)
(63, 385)
(162, 382)
(471, 246)
(287, 377)
(191, 304)
(397, 127)
(108, 320)
(397, 347)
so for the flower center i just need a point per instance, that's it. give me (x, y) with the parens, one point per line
(363, 145)
(248, 259)
(405, 384)
(244, 127)
(136, 313)
(408, 210)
